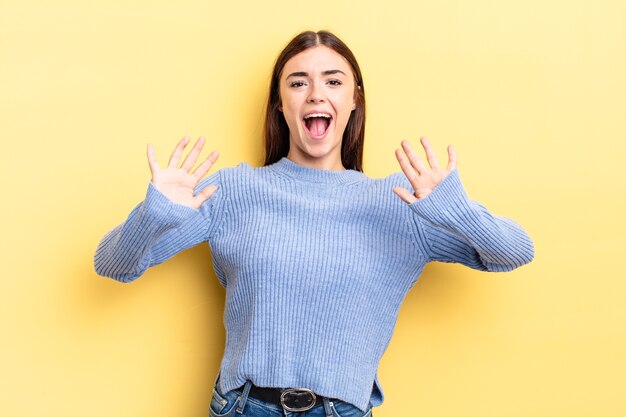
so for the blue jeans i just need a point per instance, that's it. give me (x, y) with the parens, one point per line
(237, 403)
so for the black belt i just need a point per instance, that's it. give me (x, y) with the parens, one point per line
(291, 399)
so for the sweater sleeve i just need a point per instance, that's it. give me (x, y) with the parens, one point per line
(155, 230)
(450, 227)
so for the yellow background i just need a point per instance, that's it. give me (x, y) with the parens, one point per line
(532, 94)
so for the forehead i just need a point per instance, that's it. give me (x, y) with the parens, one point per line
(315, 60)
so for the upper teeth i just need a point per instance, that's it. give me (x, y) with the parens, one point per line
(326, 115)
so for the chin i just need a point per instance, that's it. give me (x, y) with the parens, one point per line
(320, 149)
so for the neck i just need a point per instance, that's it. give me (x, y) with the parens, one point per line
(307, 174)
(328, 163)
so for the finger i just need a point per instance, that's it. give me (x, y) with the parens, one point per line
(407, 168)
(414, 159)
(405, 195)
(206, 165)
(451, 158)
(204, 194)
(152, 162)
(430, 154)
(178, 151)
(193, 155)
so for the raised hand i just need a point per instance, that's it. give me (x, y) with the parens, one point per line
(422, 179)
(178, 184)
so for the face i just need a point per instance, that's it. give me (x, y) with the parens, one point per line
(317, 98)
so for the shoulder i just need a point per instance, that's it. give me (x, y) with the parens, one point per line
(240, 179)
(395, 179)
(380, 193)
(226, 175)
(398, 179)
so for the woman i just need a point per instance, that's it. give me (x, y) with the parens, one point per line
(315, 256)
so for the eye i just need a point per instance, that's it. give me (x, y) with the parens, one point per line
(334, 82)
(297, 84)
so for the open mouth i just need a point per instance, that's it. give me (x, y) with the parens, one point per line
(317, 124)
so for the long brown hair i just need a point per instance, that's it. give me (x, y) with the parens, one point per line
(276, 129)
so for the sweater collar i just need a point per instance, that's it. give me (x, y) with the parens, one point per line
(288, 167)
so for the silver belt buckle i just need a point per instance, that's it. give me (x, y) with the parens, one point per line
(299, 392)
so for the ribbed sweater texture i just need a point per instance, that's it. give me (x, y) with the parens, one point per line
(316, 264)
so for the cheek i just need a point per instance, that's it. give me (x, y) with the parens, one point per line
(345, 102)
(346, 109)
(285, 102)
(288, 112)
(291, 117)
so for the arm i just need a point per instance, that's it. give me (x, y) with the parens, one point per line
(179, 211)
(156, 230)
(448, 226)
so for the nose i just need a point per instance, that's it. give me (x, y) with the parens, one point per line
(315, 95)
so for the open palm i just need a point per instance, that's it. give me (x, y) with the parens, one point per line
(178, 184)
(422, 179)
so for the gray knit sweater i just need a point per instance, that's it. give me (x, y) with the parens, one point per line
(315, 263)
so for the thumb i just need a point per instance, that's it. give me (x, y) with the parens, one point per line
(204, 194)
(405, 195)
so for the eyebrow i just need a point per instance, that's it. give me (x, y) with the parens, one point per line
(306, 74)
